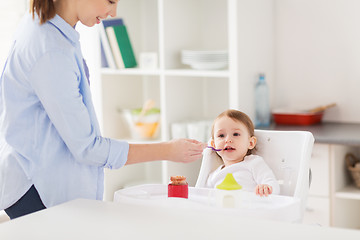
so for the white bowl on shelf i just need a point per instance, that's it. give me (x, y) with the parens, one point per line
(205, 60)
(209, 65)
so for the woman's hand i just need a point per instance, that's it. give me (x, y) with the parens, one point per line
(263, 190)
(185, 150)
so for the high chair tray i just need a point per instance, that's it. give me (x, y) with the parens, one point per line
(274, 207)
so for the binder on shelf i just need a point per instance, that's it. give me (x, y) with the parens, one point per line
(106, 51)
(112, 22)
(116, 45)
(124, 44)
(104, 61)
(115, 48)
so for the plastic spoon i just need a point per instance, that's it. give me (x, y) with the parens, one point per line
(214, 149)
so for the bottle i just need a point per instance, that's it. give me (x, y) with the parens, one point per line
(262, 105)
(178, 187)
(228, 193)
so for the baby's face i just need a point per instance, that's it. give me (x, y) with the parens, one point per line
(233, 138)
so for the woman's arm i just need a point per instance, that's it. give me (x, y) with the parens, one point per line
(178, 150)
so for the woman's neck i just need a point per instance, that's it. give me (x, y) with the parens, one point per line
(65, 9)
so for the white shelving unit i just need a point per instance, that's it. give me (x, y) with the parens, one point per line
(166, 27)
(183, 94)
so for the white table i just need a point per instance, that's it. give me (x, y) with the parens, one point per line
(90, 219)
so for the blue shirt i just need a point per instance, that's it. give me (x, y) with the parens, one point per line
(49, 134)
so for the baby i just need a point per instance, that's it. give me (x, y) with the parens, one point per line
(233, 133)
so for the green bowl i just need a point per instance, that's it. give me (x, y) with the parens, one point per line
(137, 111)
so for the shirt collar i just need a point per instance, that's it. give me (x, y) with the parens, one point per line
(65, 28)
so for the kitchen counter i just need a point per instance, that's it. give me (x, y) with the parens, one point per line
(90, 219)
(328, 132)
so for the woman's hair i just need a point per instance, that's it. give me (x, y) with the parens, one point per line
(45, 9)
(239, 117)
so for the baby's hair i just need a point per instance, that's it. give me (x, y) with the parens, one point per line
(45, 9)
(239, 117)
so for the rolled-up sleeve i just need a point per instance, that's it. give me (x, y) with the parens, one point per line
(117, 158)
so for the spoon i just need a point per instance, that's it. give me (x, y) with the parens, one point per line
(214, 149)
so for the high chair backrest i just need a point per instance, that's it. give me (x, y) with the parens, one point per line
(287, 153)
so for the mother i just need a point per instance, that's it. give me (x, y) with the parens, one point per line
(51, 149)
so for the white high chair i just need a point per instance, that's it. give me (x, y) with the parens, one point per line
(287, 153)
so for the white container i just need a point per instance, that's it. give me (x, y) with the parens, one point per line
(228, 198)
(148, 60)
(228, 193)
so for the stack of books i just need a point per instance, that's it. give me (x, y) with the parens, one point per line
(116, 49)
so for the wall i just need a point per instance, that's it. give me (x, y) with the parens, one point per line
(255, 49)
(10, 15)
(317, 56)
(314, 60)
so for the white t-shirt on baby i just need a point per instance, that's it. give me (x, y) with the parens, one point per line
(250, 172)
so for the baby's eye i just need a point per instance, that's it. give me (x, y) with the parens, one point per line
(221, 135)
(236, 134)
(112, 2)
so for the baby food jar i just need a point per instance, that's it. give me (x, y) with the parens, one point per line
(178, 187)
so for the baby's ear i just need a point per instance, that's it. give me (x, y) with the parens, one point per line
(212, 143)
(253, 141)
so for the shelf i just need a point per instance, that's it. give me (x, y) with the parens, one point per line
(131, 71)
(197, 73)
(349, 192)
(171, 72)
